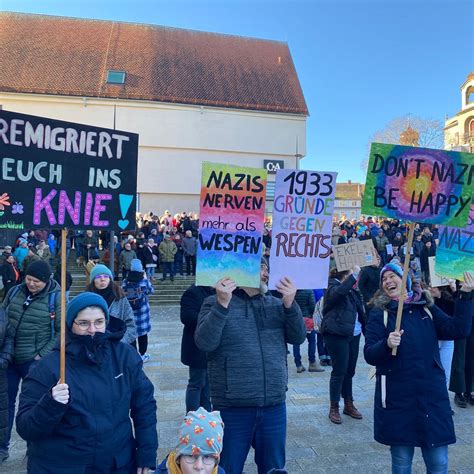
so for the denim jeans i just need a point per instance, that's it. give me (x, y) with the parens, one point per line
(197, 391)
(15, 373)
(311, 337)
(446, 350)
(322, 349)
(436, 459)
(344, 351)
(264, 428)
(150, 272)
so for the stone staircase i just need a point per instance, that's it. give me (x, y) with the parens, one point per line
(166, 292)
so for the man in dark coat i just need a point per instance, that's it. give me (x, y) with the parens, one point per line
(245, 332)
(197, 391)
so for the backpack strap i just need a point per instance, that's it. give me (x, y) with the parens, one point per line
(52, 311)
(385, 315)
(11, 294)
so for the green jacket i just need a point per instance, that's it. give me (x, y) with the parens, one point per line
(167, 250)
(34, 331)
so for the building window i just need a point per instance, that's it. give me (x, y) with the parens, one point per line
(470, 95)
(116, 77)
(270, 190)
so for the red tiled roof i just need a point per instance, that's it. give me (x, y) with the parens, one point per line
(349, 191)
(69, 56)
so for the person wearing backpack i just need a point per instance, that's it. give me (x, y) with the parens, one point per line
(137, 287)
(411, 405)
(34, 311)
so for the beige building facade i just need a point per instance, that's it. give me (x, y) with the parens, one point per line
(176, 139)
(459, 130)
(191, 96)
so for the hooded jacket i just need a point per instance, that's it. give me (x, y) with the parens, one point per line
(411, 405)
(107, 387)
(246, 346)
(35, 331)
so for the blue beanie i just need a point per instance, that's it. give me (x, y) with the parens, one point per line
(398, 270)
(136, 265)
(82, 301)
(100, 270)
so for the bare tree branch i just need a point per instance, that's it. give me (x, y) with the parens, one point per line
(431, 133)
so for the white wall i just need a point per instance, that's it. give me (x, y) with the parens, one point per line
(176, 139)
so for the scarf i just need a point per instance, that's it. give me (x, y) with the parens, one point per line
(107, 294)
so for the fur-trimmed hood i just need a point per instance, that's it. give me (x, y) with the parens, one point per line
(381, 301)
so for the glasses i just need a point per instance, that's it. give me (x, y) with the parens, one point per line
(98, 324)
(104, 275)
(207, 460)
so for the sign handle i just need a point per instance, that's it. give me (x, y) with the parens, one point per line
(62, 353)
(406, 266)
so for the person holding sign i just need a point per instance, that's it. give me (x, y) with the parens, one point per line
(245, 332)
(342, 325)
(411, 399)
(85, 425)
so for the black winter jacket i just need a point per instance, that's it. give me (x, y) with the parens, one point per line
(191, 303)
(369, 282)
(305, 300)
(108, 391)
(342, 305)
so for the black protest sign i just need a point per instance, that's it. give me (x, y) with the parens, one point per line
(62, 174)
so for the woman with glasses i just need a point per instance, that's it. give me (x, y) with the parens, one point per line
(102, 283)
(103, 419)
(199, 445)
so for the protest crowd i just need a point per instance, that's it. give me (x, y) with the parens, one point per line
(108, 428)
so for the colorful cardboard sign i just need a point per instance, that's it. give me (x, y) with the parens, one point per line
(436, 279)
(455, 252)
(419, 184)
(361, 253)
(57, 174)
(302, 227)
(231, 219)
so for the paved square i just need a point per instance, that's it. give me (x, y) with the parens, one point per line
(314, 444)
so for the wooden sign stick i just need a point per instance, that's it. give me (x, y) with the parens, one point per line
(406, 267)
(62, 353)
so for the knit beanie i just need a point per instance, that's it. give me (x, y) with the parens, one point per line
(82, 301)
(100, 270)
(201, 433)
(398, 270)
(39, 269)
(136, 265)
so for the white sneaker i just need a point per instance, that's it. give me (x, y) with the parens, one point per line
(145, 357)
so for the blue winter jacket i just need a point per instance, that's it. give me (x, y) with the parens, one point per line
(411, 406)
(108, 391)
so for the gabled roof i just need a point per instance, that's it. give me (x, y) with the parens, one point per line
(69, 56)
(348, 191)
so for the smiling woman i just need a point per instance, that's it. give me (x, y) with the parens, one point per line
(411, 406)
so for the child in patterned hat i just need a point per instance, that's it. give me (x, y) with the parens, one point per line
(199, 445)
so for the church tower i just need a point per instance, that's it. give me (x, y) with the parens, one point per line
(459, 130)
